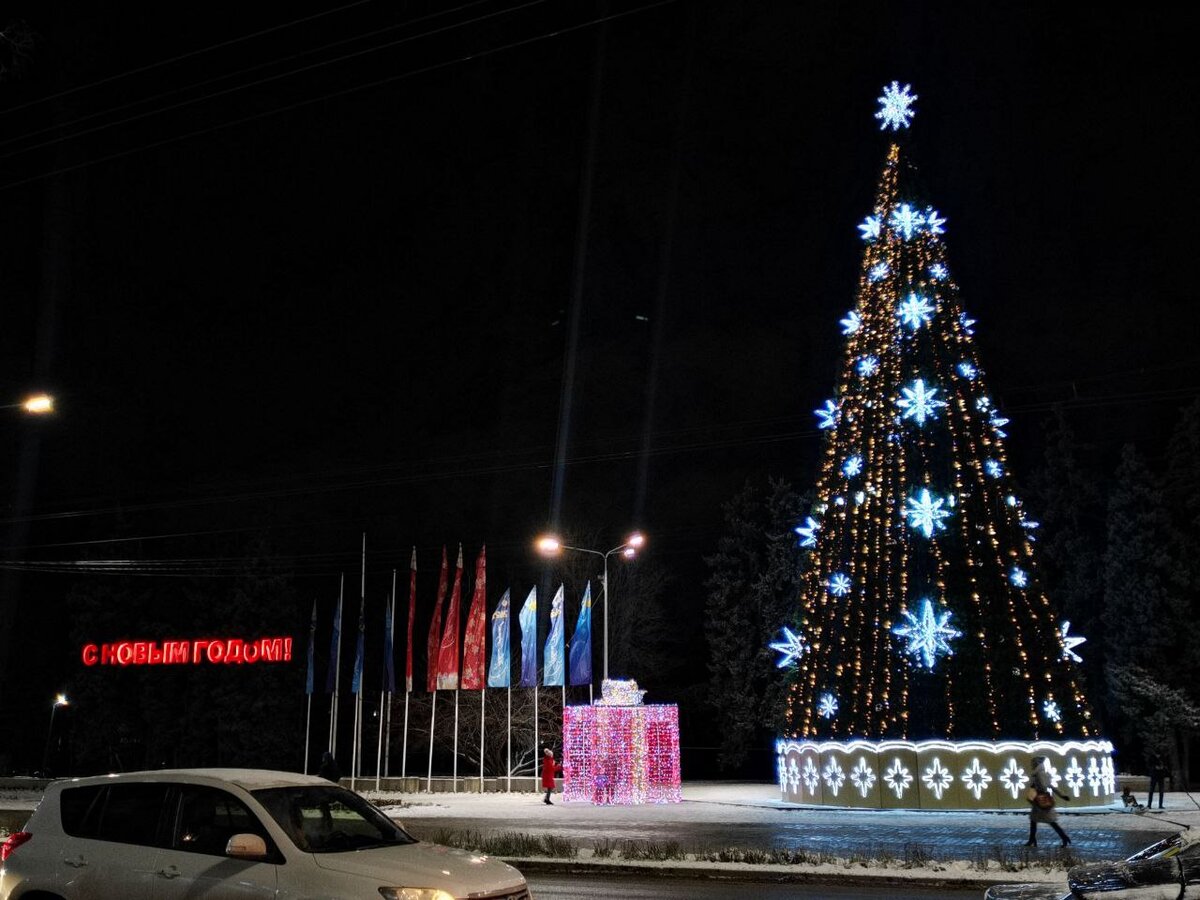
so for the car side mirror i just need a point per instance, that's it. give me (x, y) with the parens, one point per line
(246, 846)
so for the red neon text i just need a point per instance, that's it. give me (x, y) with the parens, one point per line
(202, 650)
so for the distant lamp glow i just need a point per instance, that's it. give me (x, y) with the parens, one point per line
(38, 405)
(61, 700)
(629, 553)
(636, 540)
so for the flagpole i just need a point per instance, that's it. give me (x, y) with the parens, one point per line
(387, 746)
(404, 754)
(456, 740)
(337, 670)
(432, 721)
(307, 732)
(508, 743)
(383, 694)
(537, 750)
(482, 732)
(356, 764)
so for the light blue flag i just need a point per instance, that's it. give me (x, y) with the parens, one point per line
(500, 671)
(556, 643)
(528, 622)
(581, 641)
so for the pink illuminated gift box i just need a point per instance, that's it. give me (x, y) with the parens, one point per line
(619, 751)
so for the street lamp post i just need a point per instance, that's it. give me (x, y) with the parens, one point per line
(60, 700)
(550, 545)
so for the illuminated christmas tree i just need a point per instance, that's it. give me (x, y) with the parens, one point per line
(923, 626)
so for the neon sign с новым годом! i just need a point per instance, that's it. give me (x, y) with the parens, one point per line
(195, 652)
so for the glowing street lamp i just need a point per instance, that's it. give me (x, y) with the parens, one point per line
(59, 700)
(35, 405)
(551, 545)
(39, 405)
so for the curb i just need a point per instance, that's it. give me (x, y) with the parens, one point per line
(753, 874)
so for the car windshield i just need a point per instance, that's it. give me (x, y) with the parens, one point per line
(330, 819)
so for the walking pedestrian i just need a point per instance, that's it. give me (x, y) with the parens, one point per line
(1158, 778)
(1041, 802)
(549, 767)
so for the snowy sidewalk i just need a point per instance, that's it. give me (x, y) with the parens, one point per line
(751, 815)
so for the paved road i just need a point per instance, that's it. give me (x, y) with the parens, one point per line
(576, 887)
(853, 833)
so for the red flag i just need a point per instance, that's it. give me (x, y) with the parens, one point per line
(447, 669)
(435, 627)
(412, 618)
(476, 636)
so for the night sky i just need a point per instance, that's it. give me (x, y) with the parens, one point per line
(390, 267)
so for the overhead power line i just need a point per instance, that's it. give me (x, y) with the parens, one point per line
(332, 95)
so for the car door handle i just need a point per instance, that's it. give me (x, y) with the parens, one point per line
(78, 862)
(169, 872)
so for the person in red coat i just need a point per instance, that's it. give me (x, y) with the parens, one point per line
(549, 767)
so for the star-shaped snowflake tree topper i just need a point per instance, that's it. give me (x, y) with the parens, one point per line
(895, 107)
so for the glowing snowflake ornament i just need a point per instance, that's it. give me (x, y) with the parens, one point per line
(827, 415)
(906, 220)
(839, 584)
(928, 636)
(871, 227)
(834, 776)
(1070, 642)
(811, 776)
(976, 778)
(925, 513)
(918, 402)
(993, 468)
(897, 778)
(938, 272)
(1018, 577)
(792, 647)
(1013, 778)
(1051, 711)
(967, 323)
(851, 323)
(853, 466)
(895, 107)
(808, 532)
(878, 272)
(967, 370)
(937, 778)
(868, 366)
(915, 311)
(934, 222)
(862, 776)
(827, 706)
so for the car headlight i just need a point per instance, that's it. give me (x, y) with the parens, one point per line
(409, 893)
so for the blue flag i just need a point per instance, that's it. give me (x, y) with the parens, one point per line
(312, 652)
(556, 642)
(389, 667)
(500, 671)
(356, 681)
(334, 643)
(528, 623)
(581, 641)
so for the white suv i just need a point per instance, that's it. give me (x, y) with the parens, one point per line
(240, 834)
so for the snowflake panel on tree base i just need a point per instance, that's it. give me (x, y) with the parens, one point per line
(940, 774)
